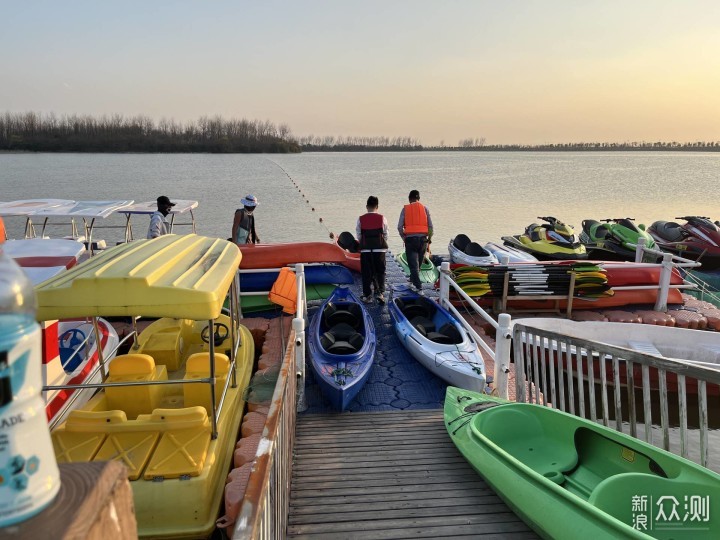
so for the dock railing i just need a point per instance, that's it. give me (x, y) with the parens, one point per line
(620, 387)
(501, 353)
(265, 507)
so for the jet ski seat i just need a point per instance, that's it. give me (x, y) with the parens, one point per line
(669, 230)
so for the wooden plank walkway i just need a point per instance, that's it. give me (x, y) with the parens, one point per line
(384, 475)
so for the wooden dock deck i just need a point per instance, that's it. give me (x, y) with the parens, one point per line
(389, 475)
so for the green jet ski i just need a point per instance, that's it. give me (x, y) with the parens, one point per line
(615, 239)
(550, 241)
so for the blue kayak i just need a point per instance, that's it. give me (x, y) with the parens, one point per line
(341, 339)
(315, 274)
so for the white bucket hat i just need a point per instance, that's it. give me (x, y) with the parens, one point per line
(249, 200)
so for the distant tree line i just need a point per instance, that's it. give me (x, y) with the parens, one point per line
(36, 132)
(703, 146)
(313, 143)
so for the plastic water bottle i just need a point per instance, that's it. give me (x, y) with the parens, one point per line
(29, 476)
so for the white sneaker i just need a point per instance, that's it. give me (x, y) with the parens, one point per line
(366, 299)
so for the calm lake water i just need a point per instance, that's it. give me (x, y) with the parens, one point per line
(483, 194)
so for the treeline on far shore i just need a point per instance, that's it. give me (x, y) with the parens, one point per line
(37, 132)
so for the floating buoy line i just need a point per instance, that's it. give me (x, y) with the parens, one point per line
(307, 201)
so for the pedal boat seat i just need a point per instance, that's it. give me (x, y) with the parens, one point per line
(134, 400)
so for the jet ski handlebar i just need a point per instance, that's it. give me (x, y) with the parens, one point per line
(610, 220)
(549, 219)
(687, 218)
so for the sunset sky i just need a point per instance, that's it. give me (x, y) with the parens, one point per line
(511, 71)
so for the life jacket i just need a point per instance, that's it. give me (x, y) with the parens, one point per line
(246, 228)
(2, 231)
(371, 231)
(416, 221)
(284, 291)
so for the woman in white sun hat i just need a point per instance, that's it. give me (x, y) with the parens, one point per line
(243, 229)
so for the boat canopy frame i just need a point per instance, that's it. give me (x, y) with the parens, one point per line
(196, 249)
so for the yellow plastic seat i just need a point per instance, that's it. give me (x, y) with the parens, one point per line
(134, 400)
(132, 449)
(183, 448)
(198, 367)
(84, 434)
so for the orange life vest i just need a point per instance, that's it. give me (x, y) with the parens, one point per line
(2, 231)
(416, 219)
(284, 291)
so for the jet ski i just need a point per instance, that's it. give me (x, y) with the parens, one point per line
(615, 239)
(697, 239)
(550, 241)
(463, 251)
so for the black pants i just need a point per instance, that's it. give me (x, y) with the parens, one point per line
(372, 267)
(415, 249)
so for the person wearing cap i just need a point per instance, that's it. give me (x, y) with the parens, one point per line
(372, 233)
(243, 229)
(415, 227)
(158, 221)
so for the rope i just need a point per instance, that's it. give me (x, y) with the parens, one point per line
(331, 234)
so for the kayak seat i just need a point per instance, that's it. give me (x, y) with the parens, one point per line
(476, 250)
(349, 314)
(461, 241)
(334, 346)
(423, 324)
(342, 332)
(669, 230)
(452, 333)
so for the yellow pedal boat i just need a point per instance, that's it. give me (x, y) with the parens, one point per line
(169, 410)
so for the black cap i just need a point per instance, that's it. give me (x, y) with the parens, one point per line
(162, 200)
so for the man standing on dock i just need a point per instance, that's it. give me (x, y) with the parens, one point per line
(415, 228)
(372, 233)
(159, 225)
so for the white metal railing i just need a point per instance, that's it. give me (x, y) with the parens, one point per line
(265, 507)
(613, 385)
(501, 353)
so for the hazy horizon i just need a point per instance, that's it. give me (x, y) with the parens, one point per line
(517, 72)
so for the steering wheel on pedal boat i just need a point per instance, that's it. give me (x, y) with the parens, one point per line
(221, 333)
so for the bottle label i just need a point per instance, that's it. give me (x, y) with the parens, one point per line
(29, 477)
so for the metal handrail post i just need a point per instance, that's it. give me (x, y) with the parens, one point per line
(211, 328)
(98, 347)
(298, 325)
(503, 339)
(640, 250)
(665, 274)
(444, 284)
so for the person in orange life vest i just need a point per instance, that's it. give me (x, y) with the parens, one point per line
(415, 227)
(372, 233)
(243, 229)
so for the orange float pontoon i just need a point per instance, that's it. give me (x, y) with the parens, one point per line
(279, 255)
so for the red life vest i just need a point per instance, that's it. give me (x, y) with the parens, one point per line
(416, 221)
(371, 231)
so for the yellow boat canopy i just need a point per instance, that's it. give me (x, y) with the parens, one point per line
(171, 276)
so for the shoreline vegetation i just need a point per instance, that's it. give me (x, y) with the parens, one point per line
(37, 132)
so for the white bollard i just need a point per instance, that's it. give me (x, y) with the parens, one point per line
(503, 339)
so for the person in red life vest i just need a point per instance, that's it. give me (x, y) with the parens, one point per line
(415, 228)
(372, 233)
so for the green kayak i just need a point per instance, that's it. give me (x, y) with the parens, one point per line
(570, 478)
(251, 304)
(428, 271)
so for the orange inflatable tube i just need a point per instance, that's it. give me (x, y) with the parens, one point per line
(279, 255)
